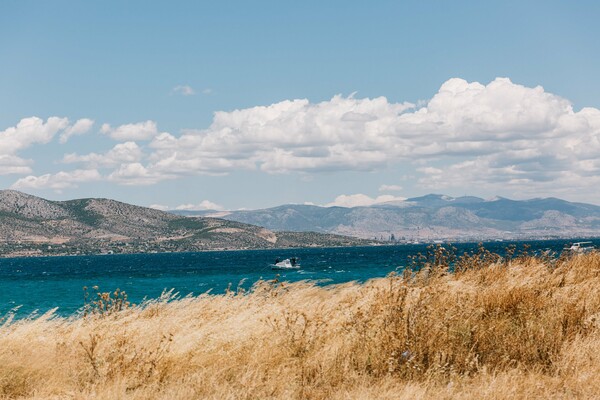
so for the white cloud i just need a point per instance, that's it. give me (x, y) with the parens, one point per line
(80, 127)
(498, 137)
(462, 120)
(138, 131)
(390, 188)
(361, 200)
(13, 165)
(184, 90)
(343, 133)
(514, 135)
(58, 181)
(29, 131)
(159, 207)
(122, 153)
(203, 205)
(135, 174)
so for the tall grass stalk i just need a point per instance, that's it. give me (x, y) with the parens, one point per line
(519, 328)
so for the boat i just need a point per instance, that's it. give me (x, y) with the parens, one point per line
(286, 264)
(581, 247)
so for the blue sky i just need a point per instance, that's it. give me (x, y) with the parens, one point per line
(338, 102)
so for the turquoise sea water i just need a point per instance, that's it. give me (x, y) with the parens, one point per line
(41, 283)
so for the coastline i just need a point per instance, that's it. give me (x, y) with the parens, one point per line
(429, 335)
(283, 248)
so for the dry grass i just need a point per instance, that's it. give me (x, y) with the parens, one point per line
(519, 329)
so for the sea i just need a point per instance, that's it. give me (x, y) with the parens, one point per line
(31, 286)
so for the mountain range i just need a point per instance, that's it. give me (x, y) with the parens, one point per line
(30, 225)
(433, 217)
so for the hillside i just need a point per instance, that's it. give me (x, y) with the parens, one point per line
(31, 225)
(436, 217)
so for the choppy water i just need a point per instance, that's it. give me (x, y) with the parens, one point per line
(41, 283)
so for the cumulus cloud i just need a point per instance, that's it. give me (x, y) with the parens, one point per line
(80, 127)
(13, 165)
(138, 131)
(184, 90)
(511, 134)
(499, 136)
(361, 200)
(463, 119)
(203, 205)
(342, 133)
(34, 130)
(135, 174)
(159, 207)
(122, 153)
(390, 188)
(29, 131)
(58, 181)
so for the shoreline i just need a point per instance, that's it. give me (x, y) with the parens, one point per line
(427, 335)
(381, 244)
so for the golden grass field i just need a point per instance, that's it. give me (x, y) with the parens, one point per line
(495, 329)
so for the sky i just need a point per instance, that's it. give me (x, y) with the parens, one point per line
(236, 104)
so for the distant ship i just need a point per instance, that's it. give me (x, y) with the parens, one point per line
(581, 247)
(288, 263)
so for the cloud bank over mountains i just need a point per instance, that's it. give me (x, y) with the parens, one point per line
(495, 136)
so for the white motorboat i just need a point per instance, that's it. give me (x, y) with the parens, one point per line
(581, 247)
(286, 264)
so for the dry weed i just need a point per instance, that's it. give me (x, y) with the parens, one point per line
(476, 326)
